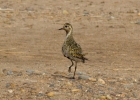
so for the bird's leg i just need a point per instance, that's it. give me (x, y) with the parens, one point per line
(70, 66)
(75, 70)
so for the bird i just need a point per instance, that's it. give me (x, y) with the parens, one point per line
(71, 49)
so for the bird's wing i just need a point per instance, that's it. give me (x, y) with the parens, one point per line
(76, 51)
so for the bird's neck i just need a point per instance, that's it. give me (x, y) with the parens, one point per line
(69, 33)
(69, 36)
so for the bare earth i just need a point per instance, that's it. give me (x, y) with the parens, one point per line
(32, 66)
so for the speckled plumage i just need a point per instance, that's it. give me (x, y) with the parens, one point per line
(70, 48)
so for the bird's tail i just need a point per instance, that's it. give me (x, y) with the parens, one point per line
(83, 58)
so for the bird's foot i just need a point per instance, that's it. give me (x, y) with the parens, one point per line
(69, 70)
(72, 77)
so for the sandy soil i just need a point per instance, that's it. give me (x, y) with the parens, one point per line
(32, 66)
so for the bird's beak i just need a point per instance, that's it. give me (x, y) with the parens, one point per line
(61, 29)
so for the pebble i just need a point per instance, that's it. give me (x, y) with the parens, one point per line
(89, 90)
(92, 79)
(79, 86)
(9, 72)
(138, 81)
(22, 90)
(75, 90)
(69, 84)
(80, 73)
(101, 92)
(19, 74)
(83, 77)
(138, 14)
(29, 72)
(40, 94)
(10, 91)
(130, 11)
(138, 22)
(85, 13)
(50, 94)
(33, 91)
(36, 72)
(110, 88)
(112, 17)
(103, 97)
(128, 86)
(101, 81)
(109, 97)
(51, 85)
(65, 12)
(1, 72)
(10, 85)
(112, 81)
(4, 71)
(120, 79)
(29, 9)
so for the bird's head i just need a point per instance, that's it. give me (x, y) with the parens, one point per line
(67, 27)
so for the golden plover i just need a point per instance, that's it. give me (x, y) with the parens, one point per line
(71, 49)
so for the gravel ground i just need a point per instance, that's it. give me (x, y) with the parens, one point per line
(32, 66)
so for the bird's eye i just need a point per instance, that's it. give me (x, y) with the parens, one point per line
(66, 26)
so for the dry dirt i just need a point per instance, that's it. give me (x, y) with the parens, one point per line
(32, 66)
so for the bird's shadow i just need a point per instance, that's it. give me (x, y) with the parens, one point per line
(62, 76)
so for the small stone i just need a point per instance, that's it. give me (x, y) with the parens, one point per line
(138, 22)
(1, 72)
(138, 14)
(89, 90)
(4, 71)
(29, 72)
(69, 84)
(10, 85)
(83, 77)
(130, 11)
(10, 72)
(101, 92)
(135, 80)
(122, 95)
(101, 81)
(112, 17)
(79, 86)
(36, 72)
(75, 90)
(40, 94)
(92, 79)
(112, 81)
(51, 85)
(19, 74)
(128, 86)
(103, 97)
(10, 91)
(43, 73)
(22, 90)
(33, 91)
(85, 13)
(120, 79)
(80, 73)
(109, 97)
(65, 12)
(50, 94)
(110, 88)
(29, 9)
(135, 95)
